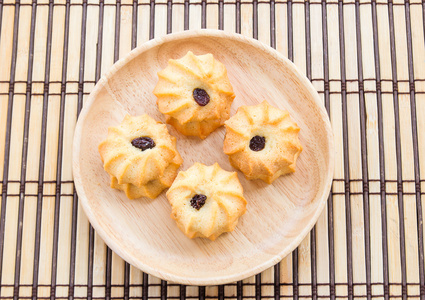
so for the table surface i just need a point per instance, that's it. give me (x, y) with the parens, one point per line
(365, 58)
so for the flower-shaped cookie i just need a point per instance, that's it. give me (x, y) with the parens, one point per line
(206, 201)
(262, 141)
(140, 155)
(195, 94)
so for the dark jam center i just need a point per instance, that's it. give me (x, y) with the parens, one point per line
(201, 97)
(143, 143)
(198, 201)
(257, 143)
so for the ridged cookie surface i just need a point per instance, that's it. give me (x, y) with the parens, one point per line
(140, 156)
(206, 201)
(195, 94)
(262, 141)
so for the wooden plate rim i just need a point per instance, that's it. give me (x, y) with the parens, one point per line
(146, 267)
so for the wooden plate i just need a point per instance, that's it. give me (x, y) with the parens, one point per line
(278, 216)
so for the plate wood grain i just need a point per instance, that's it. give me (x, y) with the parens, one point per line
(278, 216)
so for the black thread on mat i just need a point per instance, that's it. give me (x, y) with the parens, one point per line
(186, 14)
(289, 26)
(108, 271)
(273, 44)
(238, 16)
(8, 133)
(204, 14)
(108, 266)
(87, 93)
(214, 297)
(134, 25)
(313, 231)
(75, 196)
(44, 181)
(169, 16)
(145, 289)
(201, 293)
(163, 290)
(295, 286)
(255, 19)
(117, 30)
(258, 286)
(221, 292)
(203, 22)
(423, 15)
(364, 153)
(73, 245)
(398, 151)
(273, 24)
(81, 63)
(239, 290)
(182, 292)
(335, 80)
(376, 193)
(24, 157)
(381, 3)
(220, 15)
(1, 18)
(330, 198)
(346, 155)
(333, 193)
(163, 3)
(42, 152)
(99, 42)
(415, 151)
(59, 156)
(152, 20)
(52, 196)
(126, 280)
(42, 81)
(246, 284)
(276, 277)
(127, 266)
(97, 77)
(90, 263)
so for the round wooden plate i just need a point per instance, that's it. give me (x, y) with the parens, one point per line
(278, 216)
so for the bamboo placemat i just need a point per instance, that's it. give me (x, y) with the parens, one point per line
(367, 60)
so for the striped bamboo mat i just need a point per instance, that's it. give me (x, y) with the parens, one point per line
(366, 59)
